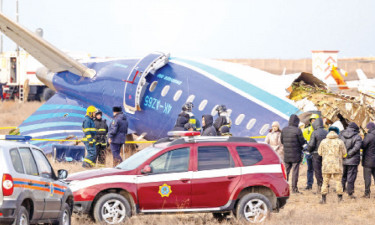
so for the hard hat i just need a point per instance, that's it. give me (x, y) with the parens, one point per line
(91, 110)
(188, 106)
(99, 112)
(221, 108)
(314, 116)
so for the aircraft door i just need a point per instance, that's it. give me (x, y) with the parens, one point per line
(136, 83)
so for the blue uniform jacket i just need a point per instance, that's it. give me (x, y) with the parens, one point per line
(118, 129)
(88, 127)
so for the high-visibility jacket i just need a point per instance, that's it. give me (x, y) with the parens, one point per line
(88, 127)
(307, 132)
(195, 123)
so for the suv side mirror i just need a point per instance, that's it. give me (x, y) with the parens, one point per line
(146, 169)
(62, 174)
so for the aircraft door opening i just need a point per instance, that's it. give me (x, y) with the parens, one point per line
(136, 83)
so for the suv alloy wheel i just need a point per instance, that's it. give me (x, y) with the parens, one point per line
(254, 208)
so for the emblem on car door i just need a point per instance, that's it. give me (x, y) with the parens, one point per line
(165, 190)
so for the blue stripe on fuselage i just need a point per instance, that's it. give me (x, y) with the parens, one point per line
(264, 96)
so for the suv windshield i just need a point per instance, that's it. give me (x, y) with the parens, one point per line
(138, 158)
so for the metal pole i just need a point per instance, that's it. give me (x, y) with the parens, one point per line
(17, 19)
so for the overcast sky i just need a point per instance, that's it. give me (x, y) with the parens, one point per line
(286, 29)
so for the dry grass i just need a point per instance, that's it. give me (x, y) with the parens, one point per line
(300, 209)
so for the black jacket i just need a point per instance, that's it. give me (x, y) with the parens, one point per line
(317, 136)
(353, 143)
(222, 125)
(293, 141)
(118, 129)
(368, 146)
(182, 119)
(101, 131)
(208, 129)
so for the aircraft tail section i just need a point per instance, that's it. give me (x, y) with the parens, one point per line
(361, 74)
(51, 57)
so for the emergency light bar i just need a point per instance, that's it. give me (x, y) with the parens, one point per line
(15, 138)
(183, 133)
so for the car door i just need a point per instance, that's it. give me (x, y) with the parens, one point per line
(215, 177)
(168, 186)
(52, 197)
(31, 181)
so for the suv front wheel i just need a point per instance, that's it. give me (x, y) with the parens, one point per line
(112, 209)
(22, 217)
(254, 208)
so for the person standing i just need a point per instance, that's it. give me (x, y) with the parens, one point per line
(192, 120)
(117, 134)
(307, 132)
(222, 123)
(1, 91)
(332, 150)
(182, 119)
(293, 141)
(101, 137)
(317, 136)
(273, 138)
(353, 143)
(88, 127)
(368, 159)
(208, 128)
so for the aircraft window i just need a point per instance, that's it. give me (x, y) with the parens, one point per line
(165, 90)
(153, 86)
(202, 105)
(190, 98)
(177, 95)
(264, 129)
(214, 112)
(240, 119)
(251, 124)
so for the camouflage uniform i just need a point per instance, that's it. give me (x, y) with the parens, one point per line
(333, 150)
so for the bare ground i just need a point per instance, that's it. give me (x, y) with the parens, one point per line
(300, 209)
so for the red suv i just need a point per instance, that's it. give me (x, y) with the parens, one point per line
(189, 174)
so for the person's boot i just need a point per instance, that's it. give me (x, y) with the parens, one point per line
(308, 188)
(296, 191)
(366, 195)
(339, 197)
(324, 199)
(351, 196)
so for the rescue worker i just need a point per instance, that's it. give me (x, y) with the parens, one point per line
(101, 137)
(89, 130)
(274, 139)
(208, 128)
(332, 149)
(368, 157)
(182, 119)
(188, 127)
(192, 120)
(117, 134)
(317, 136)
(293, 142)
(222, 123)
(307, 132)
(353, 143)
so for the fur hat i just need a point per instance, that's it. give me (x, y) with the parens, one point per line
(117, 109)
(335, 129)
